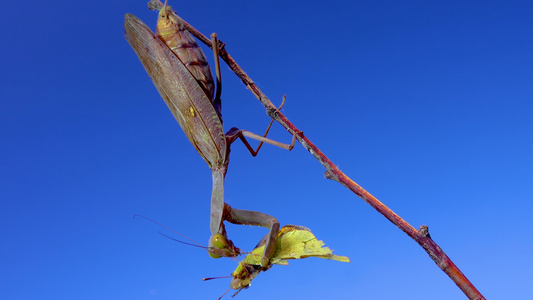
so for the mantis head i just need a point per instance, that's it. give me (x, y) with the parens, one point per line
(219, 246)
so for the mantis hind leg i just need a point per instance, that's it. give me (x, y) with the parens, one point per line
(235, 133)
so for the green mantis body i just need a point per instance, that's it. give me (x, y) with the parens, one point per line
(194, 109)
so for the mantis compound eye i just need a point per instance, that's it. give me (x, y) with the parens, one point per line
(220, 241)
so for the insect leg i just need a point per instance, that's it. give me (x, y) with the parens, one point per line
(218, 237)
(248, 217)
(217, 102)
(235, 133)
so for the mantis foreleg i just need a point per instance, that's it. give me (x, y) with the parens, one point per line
(248, 217)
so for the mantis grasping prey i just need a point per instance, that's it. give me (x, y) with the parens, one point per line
(293, 242)
(182, 78)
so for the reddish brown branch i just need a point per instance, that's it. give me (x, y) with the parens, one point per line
(421, 236)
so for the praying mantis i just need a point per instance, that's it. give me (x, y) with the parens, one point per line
(179, 71)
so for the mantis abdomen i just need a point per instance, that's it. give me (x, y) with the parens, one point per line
(171, 31)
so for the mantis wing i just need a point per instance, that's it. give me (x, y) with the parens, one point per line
(180, 91)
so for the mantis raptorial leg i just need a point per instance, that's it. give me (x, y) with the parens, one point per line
(249, 217)
(239, 216)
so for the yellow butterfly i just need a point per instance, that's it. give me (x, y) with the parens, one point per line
(294, 242)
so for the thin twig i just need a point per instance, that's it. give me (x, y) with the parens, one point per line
(421, 236)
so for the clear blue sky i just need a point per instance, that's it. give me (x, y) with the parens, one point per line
(426, 105)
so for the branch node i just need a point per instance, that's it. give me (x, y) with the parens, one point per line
(271, 112)
(423, 231)
(329, 175)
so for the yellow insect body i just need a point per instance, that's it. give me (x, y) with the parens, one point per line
(294, 242)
